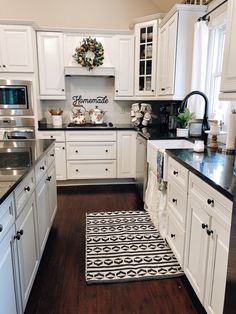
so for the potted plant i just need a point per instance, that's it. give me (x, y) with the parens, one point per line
(182, 120)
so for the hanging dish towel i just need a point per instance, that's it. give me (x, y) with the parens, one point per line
(160, 171)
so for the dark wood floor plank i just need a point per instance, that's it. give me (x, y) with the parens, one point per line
(60, 286)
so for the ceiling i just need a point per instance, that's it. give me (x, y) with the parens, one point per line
(165, 5)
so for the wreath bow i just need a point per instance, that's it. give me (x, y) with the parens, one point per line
(90, 54)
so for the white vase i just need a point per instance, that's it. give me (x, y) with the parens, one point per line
(56, 120)
(182, 132)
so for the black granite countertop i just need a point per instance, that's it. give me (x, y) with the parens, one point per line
(214, 168)
(17, 158)
(64, 127)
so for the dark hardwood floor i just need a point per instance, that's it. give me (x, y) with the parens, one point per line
(60, 285)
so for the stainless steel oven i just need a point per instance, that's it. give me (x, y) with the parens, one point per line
(15, 97)
(17, 128)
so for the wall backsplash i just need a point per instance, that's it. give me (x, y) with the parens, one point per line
(90, 88)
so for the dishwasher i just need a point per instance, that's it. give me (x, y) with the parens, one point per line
(141, 165)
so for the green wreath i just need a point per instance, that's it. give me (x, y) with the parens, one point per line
(90, 54)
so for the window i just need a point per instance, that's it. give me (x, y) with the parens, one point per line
(217, 109)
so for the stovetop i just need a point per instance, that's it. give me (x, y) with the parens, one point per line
(89, 125)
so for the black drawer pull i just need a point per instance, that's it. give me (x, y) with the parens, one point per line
(42, 168)
(163, 89)
(204, 226)
(49, 178)
(210, 232)
(175, 173)
(77, 170)
(106, 151)
(19, 234)
(51, 136)
(210, 202)
(172, 235)
(63, 147)
(153, 91)
(76, 151)
(52, 155)
(27, 188)
(1, 228)
(174, 200)
(106, 169)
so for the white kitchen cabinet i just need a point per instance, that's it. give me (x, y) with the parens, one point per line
(16, 48)
(175, 51)
(228, 80)
(124, 78)
(166, 56)
(207, 243)
(26, 238)
(51, 65)
(60, 159)
(60, 151)
(8, 303)
(42, 213)
(52, 192)
(145, 58)
(126, 154)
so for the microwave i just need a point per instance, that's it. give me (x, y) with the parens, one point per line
(15, 97)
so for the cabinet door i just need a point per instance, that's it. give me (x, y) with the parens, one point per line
(228, 81)
(42, 213)
(8, 304)
(17, 48)
(145, 58)
(60, 158)
(126, 154)
(51, 66)
(52, 192)
(167, 56)
(217, 265)
(26, 228)
(197, 242)
(124, 79)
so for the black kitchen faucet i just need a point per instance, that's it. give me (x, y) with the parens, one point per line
(205, 123)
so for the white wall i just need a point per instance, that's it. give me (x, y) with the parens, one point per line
(102, 14)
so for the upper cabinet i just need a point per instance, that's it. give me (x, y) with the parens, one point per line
(175, 51)
(228, 81)
(124, 74)
(16, 48)
(51, 65)
(145, 58)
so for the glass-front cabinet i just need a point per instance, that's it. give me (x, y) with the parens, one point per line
(145, 58)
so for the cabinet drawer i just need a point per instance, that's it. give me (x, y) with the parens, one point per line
(178, 173)
(92, 136)
(40, 169)
(215, 203)
(91, 150)
(59, 136)
(7, 216)
(177, 202)
(23, 191)
(51, 156)
(175, 238)
(91, 169)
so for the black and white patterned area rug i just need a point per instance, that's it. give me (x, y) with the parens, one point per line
(125, 246)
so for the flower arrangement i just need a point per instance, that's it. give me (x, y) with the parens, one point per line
(90, 54)
(55, 112)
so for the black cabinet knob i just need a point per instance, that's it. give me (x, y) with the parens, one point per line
(49, 178)
(20, 232)
(204, 226)
(210, 202)
(210, 232)
(76, 151)
(174, 200)
(27, 188)
(63, 147)
(106, 169)
(1, 228)
(175, 173)
(4, 65)
(62, 89)
(106, 150)
(51, 136)
(52, 155)
(172, 235)
(42, 168)
(117, 91)
(153, 91)
(163, 89)
(77, 170)
(17, 236)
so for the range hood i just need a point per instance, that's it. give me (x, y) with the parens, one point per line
(80, 71)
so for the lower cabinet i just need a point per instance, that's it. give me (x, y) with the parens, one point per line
(8, 297)
(42, 213)
(26, 240)
(207, 243)
(52, 192)
(60, 158)
(126, 154)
